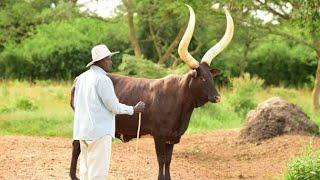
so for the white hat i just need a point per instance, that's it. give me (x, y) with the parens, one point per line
(99, 52)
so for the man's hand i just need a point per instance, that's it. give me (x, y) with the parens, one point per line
(139, 107)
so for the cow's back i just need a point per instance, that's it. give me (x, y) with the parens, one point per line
(130, 91)
(165, 105)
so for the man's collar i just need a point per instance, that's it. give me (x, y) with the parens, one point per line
(98, 69)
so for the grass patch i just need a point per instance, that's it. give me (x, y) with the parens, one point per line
(38, 124)
(39, 109)
(306, 166)
(214, 116)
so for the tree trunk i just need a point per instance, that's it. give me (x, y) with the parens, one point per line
(133, 39)
(202, 43)
(243, 62)
(172, 46)
(316, 88)
(154, 39)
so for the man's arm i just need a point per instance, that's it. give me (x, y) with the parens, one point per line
(106, 92)
(72, 97)
(72, 93)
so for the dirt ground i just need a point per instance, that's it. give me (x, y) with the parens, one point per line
(204, 156)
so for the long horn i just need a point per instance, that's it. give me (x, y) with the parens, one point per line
(215, 50)
(185, 41)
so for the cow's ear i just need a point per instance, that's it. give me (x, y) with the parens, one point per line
(215, 72)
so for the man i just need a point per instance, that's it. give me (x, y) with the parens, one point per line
(95, 104)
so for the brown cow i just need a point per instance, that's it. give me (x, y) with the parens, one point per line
(170, 101)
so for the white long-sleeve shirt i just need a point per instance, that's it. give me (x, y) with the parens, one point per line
(95, 105)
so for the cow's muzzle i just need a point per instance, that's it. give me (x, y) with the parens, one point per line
(214, 99)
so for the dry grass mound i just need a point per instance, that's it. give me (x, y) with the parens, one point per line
(275, 117)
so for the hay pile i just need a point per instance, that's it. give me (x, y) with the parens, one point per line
(275, 117)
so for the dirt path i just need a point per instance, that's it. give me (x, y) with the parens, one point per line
(214, 155)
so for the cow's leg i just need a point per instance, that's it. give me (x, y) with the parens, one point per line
(168, 153)
(75, 154)
(160, 150)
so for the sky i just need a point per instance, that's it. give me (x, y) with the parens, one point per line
(103, 8)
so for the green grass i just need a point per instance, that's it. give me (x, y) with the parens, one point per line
(42, 109)
(214, 116)
(306, 166)
(37, 124)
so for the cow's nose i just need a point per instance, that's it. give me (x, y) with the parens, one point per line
(214, 99)
(217, 99)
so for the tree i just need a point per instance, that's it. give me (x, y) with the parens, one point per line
(292, 19)
(18, 19)
(133, 38)
(161, 25)
(60, 50)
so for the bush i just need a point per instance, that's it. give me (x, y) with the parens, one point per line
(20, 17)
(61, 50)
(22, 103)
(305, 167)
(141, 67)
(25, 104)
(243, 97)
(281, 62)
(6, 109)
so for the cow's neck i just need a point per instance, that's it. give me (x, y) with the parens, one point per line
(187, 103)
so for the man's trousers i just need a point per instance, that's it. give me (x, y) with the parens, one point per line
(95, 158)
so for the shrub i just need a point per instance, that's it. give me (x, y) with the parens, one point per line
(6, 109)
(243, 97)
(281, 62)
(305, 167)
(60, 50)
(25, 104)
(141, 67)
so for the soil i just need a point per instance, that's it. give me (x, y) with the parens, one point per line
(275, 117)
(204, 156)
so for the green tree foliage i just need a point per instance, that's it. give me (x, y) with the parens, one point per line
(39, 41)
(159, 26)
(60, 50)
(19, 18)
(281, 62)
(292, 19)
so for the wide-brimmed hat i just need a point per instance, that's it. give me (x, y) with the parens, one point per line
(99, 52)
